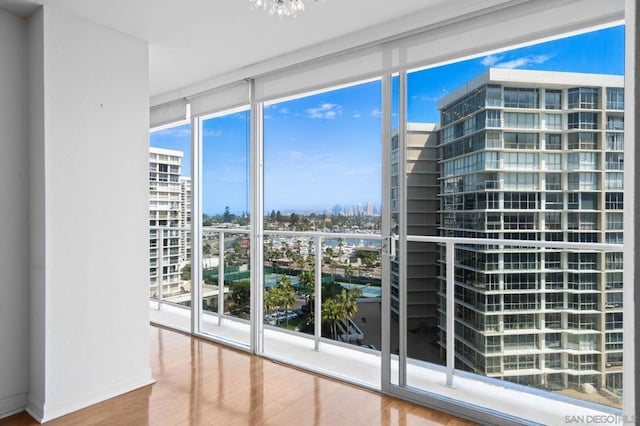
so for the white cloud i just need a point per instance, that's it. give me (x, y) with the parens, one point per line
(356, 115)
(491, 60)
(212, 132)
(526, 60)
(523, 61)
(284, 111)
(325, 111)
(175, 132)
(376, 113)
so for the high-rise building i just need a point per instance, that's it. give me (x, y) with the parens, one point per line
(185, 220)
(532, 155)
(169, 220)
(369, 208)
(422, 219)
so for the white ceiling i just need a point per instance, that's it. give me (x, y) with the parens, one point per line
(192, 41)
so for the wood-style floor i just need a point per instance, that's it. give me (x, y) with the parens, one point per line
(202, 383)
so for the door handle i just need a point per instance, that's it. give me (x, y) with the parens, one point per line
(389, 246)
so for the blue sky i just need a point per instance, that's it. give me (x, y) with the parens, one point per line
(325, 149)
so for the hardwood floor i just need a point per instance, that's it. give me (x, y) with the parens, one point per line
(202, 383)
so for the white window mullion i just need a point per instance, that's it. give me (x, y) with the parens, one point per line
(256, 222)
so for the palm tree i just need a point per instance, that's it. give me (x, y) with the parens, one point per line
(286, 295)
(348, 272)
(332, 312)
(334, 265)
(300, 262)
(349, 301)
(328, 252)
(271, 300)
(307, 283)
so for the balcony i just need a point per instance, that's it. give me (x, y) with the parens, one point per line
(346, 352)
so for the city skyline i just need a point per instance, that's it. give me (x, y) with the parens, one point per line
(326, 148)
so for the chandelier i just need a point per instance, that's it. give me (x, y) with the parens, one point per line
(280, 8)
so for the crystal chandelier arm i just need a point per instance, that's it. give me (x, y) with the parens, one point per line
(280, 7)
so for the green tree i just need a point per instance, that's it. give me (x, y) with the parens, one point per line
(349, 301)
(185, 273)
(332, 312)
(369, 257)
(241, 292)
(334, 265)
(307, 281)
(300, 262)
(227, 216)
(348, 272)
(286, 295)
(271, 300)
(236, 246)
(206, 248)
(330, 290)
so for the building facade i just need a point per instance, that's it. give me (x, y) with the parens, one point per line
(422, 188)
(169, 221)
(533, 155)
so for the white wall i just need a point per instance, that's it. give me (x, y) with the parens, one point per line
(89, 198)
(36, 212)
(14, 205)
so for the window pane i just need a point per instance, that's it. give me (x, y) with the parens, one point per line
(226, 289)
(558, 177)
(170, 215)
(322, 173)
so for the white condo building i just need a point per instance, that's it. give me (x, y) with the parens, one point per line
(533, 155)
(169, 221)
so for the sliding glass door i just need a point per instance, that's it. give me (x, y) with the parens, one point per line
(225, 285)
(504, 224)
(321, 271)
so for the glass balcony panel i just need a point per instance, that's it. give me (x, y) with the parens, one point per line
(322, 168)
(226, 249)
(170, 212)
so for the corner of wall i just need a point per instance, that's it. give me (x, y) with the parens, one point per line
(36, 309)
(14, 226)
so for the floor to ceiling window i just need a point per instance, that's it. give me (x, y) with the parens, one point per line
(456, 225)
(170, 221)
(225, 289)
(516, 164)
(322, 165)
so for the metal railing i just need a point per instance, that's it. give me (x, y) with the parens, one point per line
(318, 238)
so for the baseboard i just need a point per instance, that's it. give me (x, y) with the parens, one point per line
(12, 405)
(35, 407)
(44, 412)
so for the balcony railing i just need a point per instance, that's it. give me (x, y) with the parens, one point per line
(348, 333)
